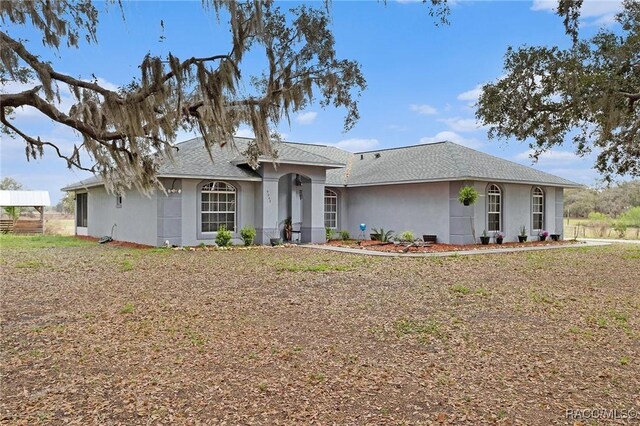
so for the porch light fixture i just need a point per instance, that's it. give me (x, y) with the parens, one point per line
(298, 181)
(172, 190)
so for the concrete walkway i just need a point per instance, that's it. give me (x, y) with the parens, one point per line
(609, 241)
(453, 253)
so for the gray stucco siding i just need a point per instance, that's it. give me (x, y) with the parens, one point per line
(135, 221)
(421, 208)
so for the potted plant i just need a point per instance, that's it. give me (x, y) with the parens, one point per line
(484, 238)
(287, 229)
(543, 235)
(499, 237)
(555, 237)
(467, 195)
(523, 234)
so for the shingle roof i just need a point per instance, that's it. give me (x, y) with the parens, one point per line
(420, 163)
(291, 153)
(441, 161)
(24, 198)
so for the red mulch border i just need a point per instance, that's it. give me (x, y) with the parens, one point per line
(116, 243)
(439, 247)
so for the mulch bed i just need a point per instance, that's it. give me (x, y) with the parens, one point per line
(124, 244)
(439, 247)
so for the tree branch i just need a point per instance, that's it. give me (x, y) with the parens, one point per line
(38, 142)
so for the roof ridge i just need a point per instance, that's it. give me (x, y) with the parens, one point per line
(312, 153)
(401, 147)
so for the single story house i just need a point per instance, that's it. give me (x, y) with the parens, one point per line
(411, 188)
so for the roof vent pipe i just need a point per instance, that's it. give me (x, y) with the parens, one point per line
(362, 156)
(377, 155)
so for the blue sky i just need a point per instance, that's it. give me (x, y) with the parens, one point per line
(422, 79)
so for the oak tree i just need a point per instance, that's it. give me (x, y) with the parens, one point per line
(588, 93)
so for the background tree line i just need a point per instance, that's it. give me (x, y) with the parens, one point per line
(609, 211)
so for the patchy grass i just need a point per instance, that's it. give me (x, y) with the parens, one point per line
(295, 336)
(12, 241)
(127, 309)
(126, 265)
(33, 264)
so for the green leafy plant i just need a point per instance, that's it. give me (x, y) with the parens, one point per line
(620, 228)
(523, 231)
(484, 233)
(328, 232)
(406, 236)
(223, 237)
(381, 235)
(468, 195)
(344, 235)
(248, 234)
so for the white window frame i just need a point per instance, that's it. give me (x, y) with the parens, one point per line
(332, 195)
(537, 208)
(229, 189)
(494, 192)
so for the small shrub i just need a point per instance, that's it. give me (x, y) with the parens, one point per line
(344, 235)
(248, 234)
(381, 235)
(407, 236)
(599, 222)
(328, 232)
(223, 237)
(620, 228)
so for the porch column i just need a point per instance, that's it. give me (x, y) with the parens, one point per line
(312, 229)
(267, 225)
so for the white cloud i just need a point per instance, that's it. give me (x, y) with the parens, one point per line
(355, 144)
(460, 124)
(555, 157)
(306, 117)
(592, 12)
(245, 132)
(452, 137)
(471, 95)
(423, 109)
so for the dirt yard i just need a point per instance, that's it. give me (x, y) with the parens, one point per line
(110, 335)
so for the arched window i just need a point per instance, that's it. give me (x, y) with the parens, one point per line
(537, 209)
(218, 206)
(494, 208)
(330, 209)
